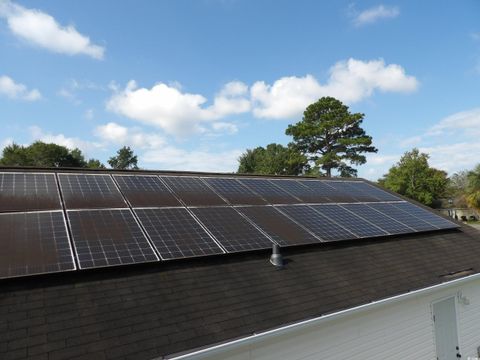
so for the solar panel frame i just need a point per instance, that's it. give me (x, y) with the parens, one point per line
(167, 231)
(192, 191)
(43, 196)
(385, 222)
(279, 227)
(145, 191)
(234, 191)
(411, 221)
(100, 241)
(240, 236)
(272, 194)
(47, 231)
(325, 229)
(86, 191)
(433, 219)
(302, 192)
(350, 221)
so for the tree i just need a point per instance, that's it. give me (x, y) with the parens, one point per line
(331, 137)
(95, 164)
(413, 177)
(472, 191)
(274, 159)
(457, 188)
(125, 159)
(41, 154)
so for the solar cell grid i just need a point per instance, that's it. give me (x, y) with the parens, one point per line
(402, 216)
(108, 237)
(425, 215)
(321, 188)
(82, 191)
(28, 192)
(193, 191)
(176, 234)
(304, 193)
(271, 193)
(279, 227)
(234, 191)
(145, 191)
(372, 191)
(381, 220)
(231, 230)
(321, 226)
(349, 220)
(34, 243)
(345, 188)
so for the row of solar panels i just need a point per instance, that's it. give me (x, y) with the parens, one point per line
(34, 191)
(39, 242)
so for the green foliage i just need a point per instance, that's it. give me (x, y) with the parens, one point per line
(457, 188)
(95, 164)
(472, 193)
(125, 159)
(41, 154)
(331, 137)
(413, 177)
(275, 159)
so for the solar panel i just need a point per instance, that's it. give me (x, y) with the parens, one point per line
(176, 234)
(321, 188)
(108, 237)
(402, 216)
(271, 193)
(304, 193)
(345, 188)
(34, 243)
(82, 191)
(349, 221)
(381, 220)
(231, 230)
(372, 191)
(321, 226)
(192, 190)
(279, 227)
(28, 192)
(425, 215)
(145, 191)
(235, 192)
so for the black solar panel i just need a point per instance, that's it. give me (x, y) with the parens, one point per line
(425, 215)
(176, 234)
(108, 237)
(411, 221)
(273, 194)
(345, 188)
(231, 230)
(304, 193)
(322, 188)
(34, 243)
(28, 192)
(349, 220)
(372, 191)
(81, 191)
(234, 191)
(193, 191)
(279, 227)
(321, 226)
(145, 191)
(383, 221)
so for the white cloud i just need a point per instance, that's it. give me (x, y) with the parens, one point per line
(41, 29)
(376, 13)
(466, 121)
(134, 137)
(350, 81)
(36, 133)
(5, 142)
(174, 111)
(13, 90)
(411, 141)
(453, 157)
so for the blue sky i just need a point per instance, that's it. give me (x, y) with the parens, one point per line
(191, 84)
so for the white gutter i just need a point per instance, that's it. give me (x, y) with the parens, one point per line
(310, 322)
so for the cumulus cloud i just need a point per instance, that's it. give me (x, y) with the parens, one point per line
(13, 90)
(36, 133)
(466, 121)
(350, 81)
(174, 111)
(134, 137)
(374, 14)
(41, 29)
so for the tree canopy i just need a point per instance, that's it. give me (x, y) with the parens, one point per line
(331, 136)
(41, 154)
(125, 159)
(413, 177)
(274, 159)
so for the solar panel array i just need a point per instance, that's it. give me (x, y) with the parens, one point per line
(53, 222)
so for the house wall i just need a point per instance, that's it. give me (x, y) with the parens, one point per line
(401, 330)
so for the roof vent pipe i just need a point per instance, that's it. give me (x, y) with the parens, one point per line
(276, 259)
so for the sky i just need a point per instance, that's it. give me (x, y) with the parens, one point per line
(190, 85)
